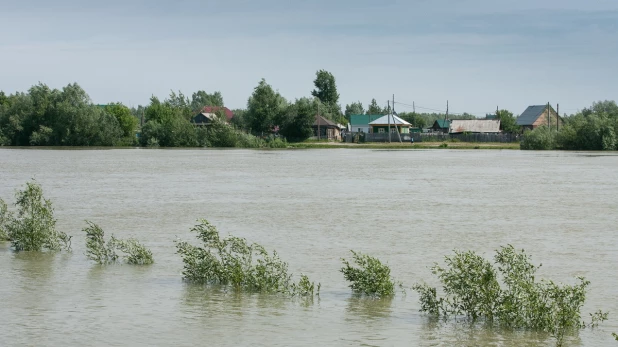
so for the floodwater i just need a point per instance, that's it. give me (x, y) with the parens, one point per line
(408, 208)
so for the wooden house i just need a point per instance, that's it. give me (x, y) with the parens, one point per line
(441, 125)
(326, 129)
(209, 113)
(537, 115)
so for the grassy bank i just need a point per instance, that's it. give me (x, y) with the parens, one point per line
(407, 145)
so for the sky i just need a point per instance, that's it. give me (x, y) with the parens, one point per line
(477, 54)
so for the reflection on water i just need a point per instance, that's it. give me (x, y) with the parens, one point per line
(408, 208)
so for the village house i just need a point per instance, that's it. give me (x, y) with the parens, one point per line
(396, 124)
(326, 129)
(537, 115)
(208, 114)
(360, 122)
(441, 125)
(474, 126)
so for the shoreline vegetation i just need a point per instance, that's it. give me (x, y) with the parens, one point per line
(67, 117)
(311, 145)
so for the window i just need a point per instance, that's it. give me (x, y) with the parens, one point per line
(393, 130)
(381, 130)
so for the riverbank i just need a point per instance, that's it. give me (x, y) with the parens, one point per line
(407, 145)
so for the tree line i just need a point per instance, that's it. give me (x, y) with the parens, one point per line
(67, 117)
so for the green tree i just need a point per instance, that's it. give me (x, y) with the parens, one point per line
(325, 88)
(295, 124)
(354, 108)
(413, 118)
(200, 99)
(508, 123)
(263, 108)
(126, 120)
(4, 100)
(374, 108)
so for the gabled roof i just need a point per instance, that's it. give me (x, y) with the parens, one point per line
(443, 124)
(531, 114)
(384, 120)
(324, 122)
(213, 109)
(363, 119)
(475, 126)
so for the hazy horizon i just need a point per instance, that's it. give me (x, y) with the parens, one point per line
(477, 54)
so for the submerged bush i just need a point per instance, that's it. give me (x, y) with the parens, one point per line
(371, 277)
(34, 226)
(472, 289)
(234, 262)
(105, 252)
(4, 219)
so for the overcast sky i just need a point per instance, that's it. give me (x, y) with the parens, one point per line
(477, 54)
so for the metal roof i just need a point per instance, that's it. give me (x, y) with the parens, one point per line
(384, 120)
(531, 114)
(443, 124)
(363, 119)
(475, 126)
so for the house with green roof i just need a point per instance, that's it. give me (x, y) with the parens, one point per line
(360, 122)
(441, 125)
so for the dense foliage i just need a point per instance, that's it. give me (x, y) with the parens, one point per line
(472, 288)
(235, 263)
(33, 228)
(105, 252)
(51, 117)
(370, 277)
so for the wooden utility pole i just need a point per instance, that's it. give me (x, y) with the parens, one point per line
(396, 129)
(389, 121)
(413, 107)
(318, 119)
(548, 116)
(557, 117)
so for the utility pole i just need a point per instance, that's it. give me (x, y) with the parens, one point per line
(389, 121)
(557, 116)
(413, 107)
(548, 116)
(318, 119)
(496, 111)
(396, 129)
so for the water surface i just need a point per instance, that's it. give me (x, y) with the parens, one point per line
(409, 208)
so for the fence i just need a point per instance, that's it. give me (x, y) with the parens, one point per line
(431, 137)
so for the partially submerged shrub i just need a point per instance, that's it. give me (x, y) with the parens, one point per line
(34, 226)
(135, 253)
(4, 220)
(105, 252)
(371, 277)
(234, 262)
(472, 289)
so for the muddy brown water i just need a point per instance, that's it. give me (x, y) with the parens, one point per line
(409, 208)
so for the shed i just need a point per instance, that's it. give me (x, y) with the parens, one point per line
(478, 126)
(537, 115)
